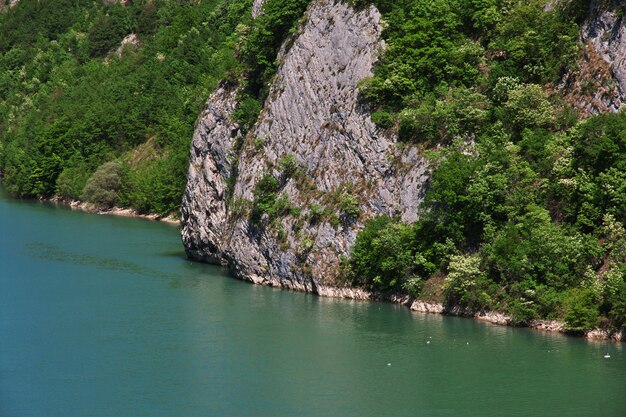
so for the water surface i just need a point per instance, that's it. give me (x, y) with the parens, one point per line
(104, 316)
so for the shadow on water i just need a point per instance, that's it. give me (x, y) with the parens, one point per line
(49, 252)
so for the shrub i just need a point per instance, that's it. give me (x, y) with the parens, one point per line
(383, 119)
(382, 258)
(581, 310)
(265, 191)
(102, 187)
(467, 284)
(247, 112)
(105, 34)
(527, 106)
(350, 206)
(288, 165)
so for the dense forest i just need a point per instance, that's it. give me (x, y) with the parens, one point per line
(88, 112)
(526, 206)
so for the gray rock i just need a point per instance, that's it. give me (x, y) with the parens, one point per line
(313, 115)
(257, 8)
(203, 211)
(598, 85)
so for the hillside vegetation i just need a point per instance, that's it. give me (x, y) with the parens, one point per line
(83, 118)
(526, 207)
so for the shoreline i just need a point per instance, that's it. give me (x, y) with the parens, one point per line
(359, 294)
(430, 307)
(113, 211)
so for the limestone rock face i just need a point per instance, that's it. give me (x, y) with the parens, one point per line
(335, 168)
(257, 8)
(599, 83)
(204, 213)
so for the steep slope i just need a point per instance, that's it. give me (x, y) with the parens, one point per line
(331, 166)
(599, 83)
(521, 216)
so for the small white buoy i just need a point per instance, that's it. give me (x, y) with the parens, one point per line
(467, 343)
(389, 364)
(428, 342)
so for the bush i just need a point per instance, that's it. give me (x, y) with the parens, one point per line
(383, 258)
(350, 206)
(527, 106)
(617, 301)
(383, 119)
(536, 249)
(105, 34)
(103, 186)
(581, 310)
(467, 284)
(267, 201)
(247, 112)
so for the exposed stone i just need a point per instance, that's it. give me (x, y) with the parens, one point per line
(130, 42)
(426, 307)
(547, 325)
(598, 84)
(598, 334)
(257, 8)
(8, 4)
(203, 211)
(315, 116)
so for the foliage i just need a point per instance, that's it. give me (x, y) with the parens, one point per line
(68, 103)
(382, 257)
(350, 206)
(102, 187)
(525, 208)
(581, 310)
(260, 47)
(467, 283)
(267, 201)
(467, 46)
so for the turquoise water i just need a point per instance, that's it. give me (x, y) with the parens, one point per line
(104, 316)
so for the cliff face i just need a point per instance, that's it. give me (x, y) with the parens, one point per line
(335, 168)
(599, 83)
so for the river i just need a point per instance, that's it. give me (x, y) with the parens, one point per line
(104, 316)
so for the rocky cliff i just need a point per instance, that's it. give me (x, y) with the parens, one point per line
(598, 84)
(334, 167)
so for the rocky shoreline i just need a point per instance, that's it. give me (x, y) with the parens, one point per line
(359, 294)
(114, 211)
(425, 306)
(353, 293)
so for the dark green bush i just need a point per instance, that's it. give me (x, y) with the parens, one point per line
(383, 119)
(266, 200)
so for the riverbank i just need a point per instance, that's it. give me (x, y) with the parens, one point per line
(114, 211)
(428, 306)
(352, 293)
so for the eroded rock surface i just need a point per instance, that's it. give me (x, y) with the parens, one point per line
(315, 120)
(598, 85)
